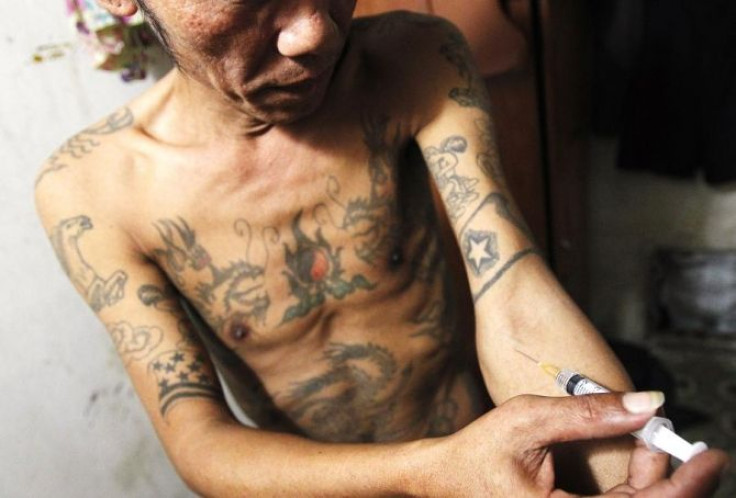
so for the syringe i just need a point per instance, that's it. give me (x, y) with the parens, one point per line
(658, 433)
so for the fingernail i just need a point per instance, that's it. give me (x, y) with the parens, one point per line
(643, 402)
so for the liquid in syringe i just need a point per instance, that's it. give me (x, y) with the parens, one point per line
(658, 433)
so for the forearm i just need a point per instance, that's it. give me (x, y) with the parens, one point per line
(231, 460)
(538, 318)
(530, 312)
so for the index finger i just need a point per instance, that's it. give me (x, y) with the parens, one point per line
(593, 416)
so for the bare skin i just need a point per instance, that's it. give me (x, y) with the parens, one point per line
(284, 206)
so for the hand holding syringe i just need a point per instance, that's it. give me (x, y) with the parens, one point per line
(658, 433)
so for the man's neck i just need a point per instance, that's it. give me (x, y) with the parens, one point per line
(202, 115)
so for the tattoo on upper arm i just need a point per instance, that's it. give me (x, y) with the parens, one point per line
(179, 373)
(457, 52)
(166, 299)
(458, 191)
(503, 209)
(99, 292)
(183, 374)
(84, 142)
(489, 160)
(134, 343)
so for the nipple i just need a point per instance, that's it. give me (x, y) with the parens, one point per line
(239, 331)
(396, 258)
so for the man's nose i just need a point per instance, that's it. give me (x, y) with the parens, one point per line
(311, 32)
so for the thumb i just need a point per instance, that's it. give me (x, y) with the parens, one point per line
(593, 416)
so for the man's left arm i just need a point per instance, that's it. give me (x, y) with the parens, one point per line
(519, 304)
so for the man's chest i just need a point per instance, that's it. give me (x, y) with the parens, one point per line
(324, 236)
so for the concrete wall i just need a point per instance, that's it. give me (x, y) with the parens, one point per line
(70, 424)
(633, 213)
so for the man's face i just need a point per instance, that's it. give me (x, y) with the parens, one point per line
(273, 58)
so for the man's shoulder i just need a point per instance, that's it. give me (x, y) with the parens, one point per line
(80, 174)
(89, 147)
(400, 33)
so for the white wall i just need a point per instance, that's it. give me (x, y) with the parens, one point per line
(632, 214)
(70, 425)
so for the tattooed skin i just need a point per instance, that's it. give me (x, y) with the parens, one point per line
(481, 250)
(355, 398)
(239, 287)
(182, 374)
(181, 251)
(86, 141)
(489, 161)
(167, 300)
(431, 322)
(457, 53)
(503, 209)
(442, 418)
(372, 220)
(134, 343)
(314, 271)
(100, 292)
(457, 191)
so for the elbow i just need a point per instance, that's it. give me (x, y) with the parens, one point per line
(200, 459)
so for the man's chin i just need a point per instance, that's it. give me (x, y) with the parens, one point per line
(290, 112)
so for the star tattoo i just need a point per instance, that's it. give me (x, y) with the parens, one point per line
(481, 250)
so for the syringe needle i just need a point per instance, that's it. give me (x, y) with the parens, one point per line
(522, 353)
(550, 370)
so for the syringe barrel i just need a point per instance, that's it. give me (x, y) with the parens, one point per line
(575, 384)
(658, 433)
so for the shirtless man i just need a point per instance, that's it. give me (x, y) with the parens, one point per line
(265, 209)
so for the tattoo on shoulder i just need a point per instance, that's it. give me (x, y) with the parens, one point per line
(84, 142)
(458, 191)
(457, 53)
(100, 292)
